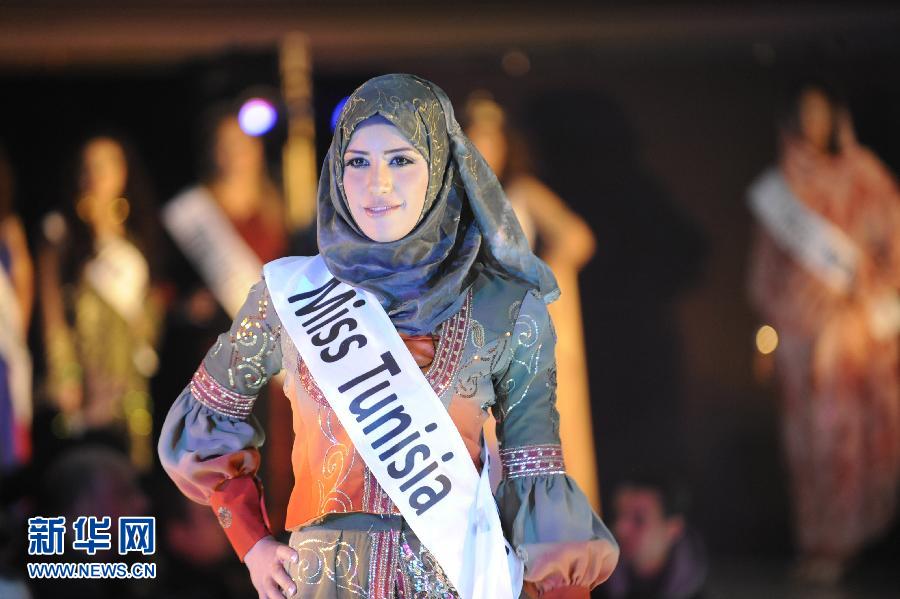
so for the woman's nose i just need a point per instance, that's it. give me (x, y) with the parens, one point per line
(380, 183)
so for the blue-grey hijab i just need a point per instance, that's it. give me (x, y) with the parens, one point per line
(467, 225)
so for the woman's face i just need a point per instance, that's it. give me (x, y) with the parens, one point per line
(385, 181)
(103, 169)
(237, 153)
(816, 118)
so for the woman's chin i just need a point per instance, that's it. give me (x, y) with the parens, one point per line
(384, 232)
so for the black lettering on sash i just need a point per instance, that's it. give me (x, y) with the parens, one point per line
(403, 421)
(431, 496)
(344, 347)
(390, 423)
(318, 303)
(361, 412)
(323, 290)
(333, 333)
(419, 476)
(327, 320)
(387, 363)
(406, 441)
(409, 462)
(326, 307)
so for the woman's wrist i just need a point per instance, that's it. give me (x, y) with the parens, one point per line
(257, 547)
(239, 506)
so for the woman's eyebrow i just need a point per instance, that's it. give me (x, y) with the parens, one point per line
(403, 149)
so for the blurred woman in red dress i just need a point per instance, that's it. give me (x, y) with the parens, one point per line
(825, 272)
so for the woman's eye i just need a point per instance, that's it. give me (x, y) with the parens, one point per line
(356, 162)
(400, 161)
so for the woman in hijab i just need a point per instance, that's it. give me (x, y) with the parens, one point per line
(409, 212)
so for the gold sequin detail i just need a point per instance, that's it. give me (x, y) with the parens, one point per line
(224, 516)
(251, 345)
(477, 333)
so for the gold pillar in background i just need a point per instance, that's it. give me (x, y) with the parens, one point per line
(299, 170)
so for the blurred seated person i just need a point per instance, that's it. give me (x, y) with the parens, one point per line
(92, 480)
(661, 557)
(12, 549)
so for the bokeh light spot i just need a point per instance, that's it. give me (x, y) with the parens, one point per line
(766, 339)
(257, 117)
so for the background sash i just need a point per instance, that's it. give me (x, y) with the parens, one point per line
(208, 239)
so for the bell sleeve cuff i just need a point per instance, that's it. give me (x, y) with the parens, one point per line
(554, 530)
(213, 458)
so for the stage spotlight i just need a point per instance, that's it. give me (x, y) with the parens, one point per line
(257, 116)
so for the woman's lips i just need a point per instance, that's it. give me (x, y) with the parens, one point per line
(379, 211)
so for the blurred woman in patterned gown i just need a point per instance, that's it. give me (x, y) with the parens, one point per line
(100, 314)
(825, 272)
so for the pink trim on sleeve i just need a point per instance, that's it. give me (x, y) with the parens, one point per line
(531, 460)
(216, 397)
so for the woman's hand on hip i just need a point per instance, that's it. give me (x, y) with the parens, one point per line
(265, 560)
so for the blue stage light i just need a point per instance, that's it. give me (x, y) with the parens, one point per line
(336, 113)
(257, 116)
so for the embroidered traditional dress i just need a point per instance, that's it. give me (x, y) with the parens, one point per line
(482, 335)
(109, 355)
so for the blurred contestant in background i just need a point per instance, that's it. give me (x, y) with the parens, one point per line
(825, 272)
(16, 298)
(226, 227)
(230, 224)
(100, 317)
(565, 242)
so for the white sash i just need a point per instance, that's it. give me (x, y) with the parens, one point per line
(823, 248)
(210, 242)
(14, 350)
(119, 274)
(397, 424)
